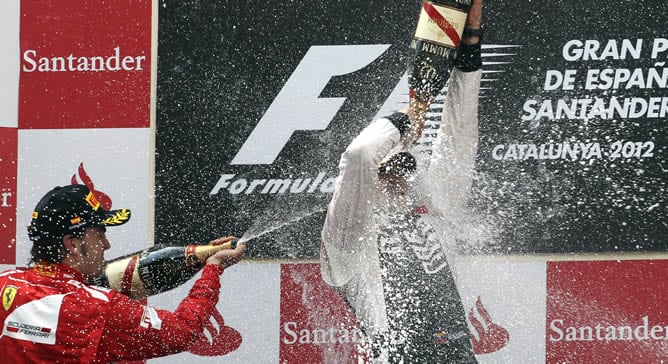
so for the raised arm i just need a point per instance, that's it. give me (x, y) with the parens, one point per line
(451, 169)
(349, 212)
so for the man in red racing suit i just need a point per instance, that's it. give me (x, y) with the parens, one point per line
(51, 315)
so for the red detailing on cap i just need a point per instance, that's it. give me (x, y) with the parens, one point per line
(442, 23)
(92, 201)
(126, 282)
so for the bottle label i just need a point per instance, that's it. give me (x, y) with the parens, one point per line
(123, 276)
(441, 24)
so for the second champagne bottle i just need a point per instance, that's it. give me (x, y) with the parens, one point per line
(437, 37)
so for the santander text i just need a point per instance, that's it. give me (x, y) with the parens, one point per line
(294, 335)
(600, 332)
(72, 63)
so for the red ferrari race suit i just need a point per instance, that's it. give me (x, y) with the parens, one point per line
(50, 315)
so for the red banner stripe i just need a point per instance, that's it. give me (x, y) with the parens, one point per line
(442, 23)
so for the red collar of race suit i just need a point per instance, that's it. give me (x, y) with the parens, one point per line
(54, 270)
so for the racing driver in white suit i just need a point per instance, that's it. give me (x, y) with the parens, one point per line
(385, 236)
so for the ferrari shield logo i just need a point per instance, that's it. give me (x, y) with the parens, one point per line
(8, 295)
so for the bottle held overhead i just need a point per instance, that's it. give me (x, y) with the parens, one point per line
(157, 269)
(437, 37)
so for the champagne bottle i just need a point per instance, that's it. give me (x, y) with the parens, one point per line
(437, 37)
(156, 269)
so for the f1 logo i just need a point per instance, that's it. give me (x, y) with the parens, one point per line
(297, 106)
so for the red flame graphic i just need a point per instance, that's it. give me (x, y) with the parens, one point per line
(491, 337)
(102, 198)
(224, 339)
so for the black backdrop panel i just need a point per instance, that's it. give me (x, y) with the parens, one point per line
(556, 171)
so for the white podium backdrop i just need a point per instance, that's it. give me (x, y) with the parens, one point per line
(61, 123)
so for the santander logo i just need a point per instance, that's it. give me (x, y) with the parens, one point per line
(220, 340)
(84, 179)
(490, 336)
(71, 63)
